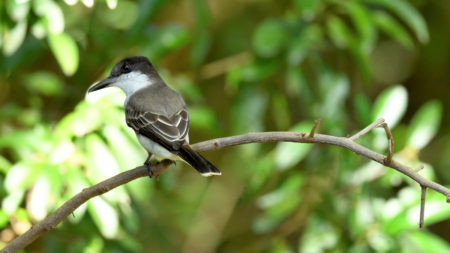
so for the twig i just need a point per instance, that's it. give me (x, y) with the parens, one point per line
(313, 130)
(422, 205)
(391, 143)
(419, 168)
(367, 129)
(68, 207)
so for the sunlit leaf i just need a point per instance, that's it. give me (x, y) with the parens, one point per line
(288, 153)
(13, 38)
(335, 89)
(76, 185)
(425, 124)
(18, 178)
(17, 10)
(319, 236)
(112, 4)
(408, 14)
(65, 51)
(127, 153)
(39, 198)
(391, 105)
(52, 15)
(12, 201)
(102, 163)
(393, 28)
(269, 38)
(105, 217)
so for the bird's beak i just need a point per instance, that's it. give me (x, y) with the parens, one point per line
(102, 84)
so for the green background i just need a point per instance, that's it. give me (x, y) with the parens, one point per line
(242, 66)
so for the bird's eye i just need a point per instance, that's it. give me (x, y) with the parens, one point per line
(126, 68)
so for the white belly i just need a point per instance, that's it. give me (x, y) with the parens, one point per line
(158, 151)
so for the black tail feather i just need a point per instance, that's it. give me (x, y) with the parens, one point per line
(197, 161)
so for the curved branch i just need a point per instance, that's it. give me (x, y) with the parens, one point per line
(68, 207)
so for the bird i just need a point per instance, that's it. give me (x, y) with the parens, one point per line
(156, 113)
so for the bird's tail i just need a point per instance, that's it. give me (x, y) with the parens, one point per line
(197, 161)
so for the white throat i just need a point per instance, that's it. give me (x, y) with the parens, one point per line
(132, 82)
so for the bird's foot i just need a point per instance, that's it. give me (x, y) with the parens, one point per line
(148, 165)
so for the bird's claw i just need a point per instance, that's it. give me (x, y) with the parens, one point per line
(149, 169)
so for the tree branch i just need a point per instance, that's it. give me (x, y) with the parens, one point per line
(68, 207)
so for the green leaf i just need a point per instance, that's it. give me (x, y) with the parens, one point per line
(167, 38)
(38, 199)
(4, 219)
(280, 107)
(288, 154)
(12, 201)
(18, 178)
(13, 38)
(363, 108)
(201, 45)
(425, 124)
(308, 8)
(120, 17)
(418, 241)
(127, 153)
(408, 14)
(204, 118)
(112, 4)
(5, 165)
(278, 203)
(248, 111)
(391, 105)
(17, 10)
(269, 38)
(102, 164)
(393, 28)
(339, 33)
(309, 38)
(52, 15)
(105, 217)
(261, 171)
(65, 51)
(362, 19)
(45, 83)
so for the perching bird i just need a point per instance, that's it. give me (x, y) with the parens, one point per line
(156, 113)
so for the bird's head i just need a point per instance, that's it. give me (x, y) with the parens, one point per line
(129, 74)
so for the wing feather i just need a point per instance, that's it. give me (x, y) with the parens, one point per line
(170, 132)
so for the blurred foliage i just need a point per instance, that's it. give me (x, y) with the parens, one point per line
(241, 66)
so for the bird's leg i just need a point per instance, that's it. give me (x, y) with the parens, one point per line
(148, 165)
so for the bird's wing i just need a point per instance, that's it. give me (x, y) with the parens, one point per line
(169, 132)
